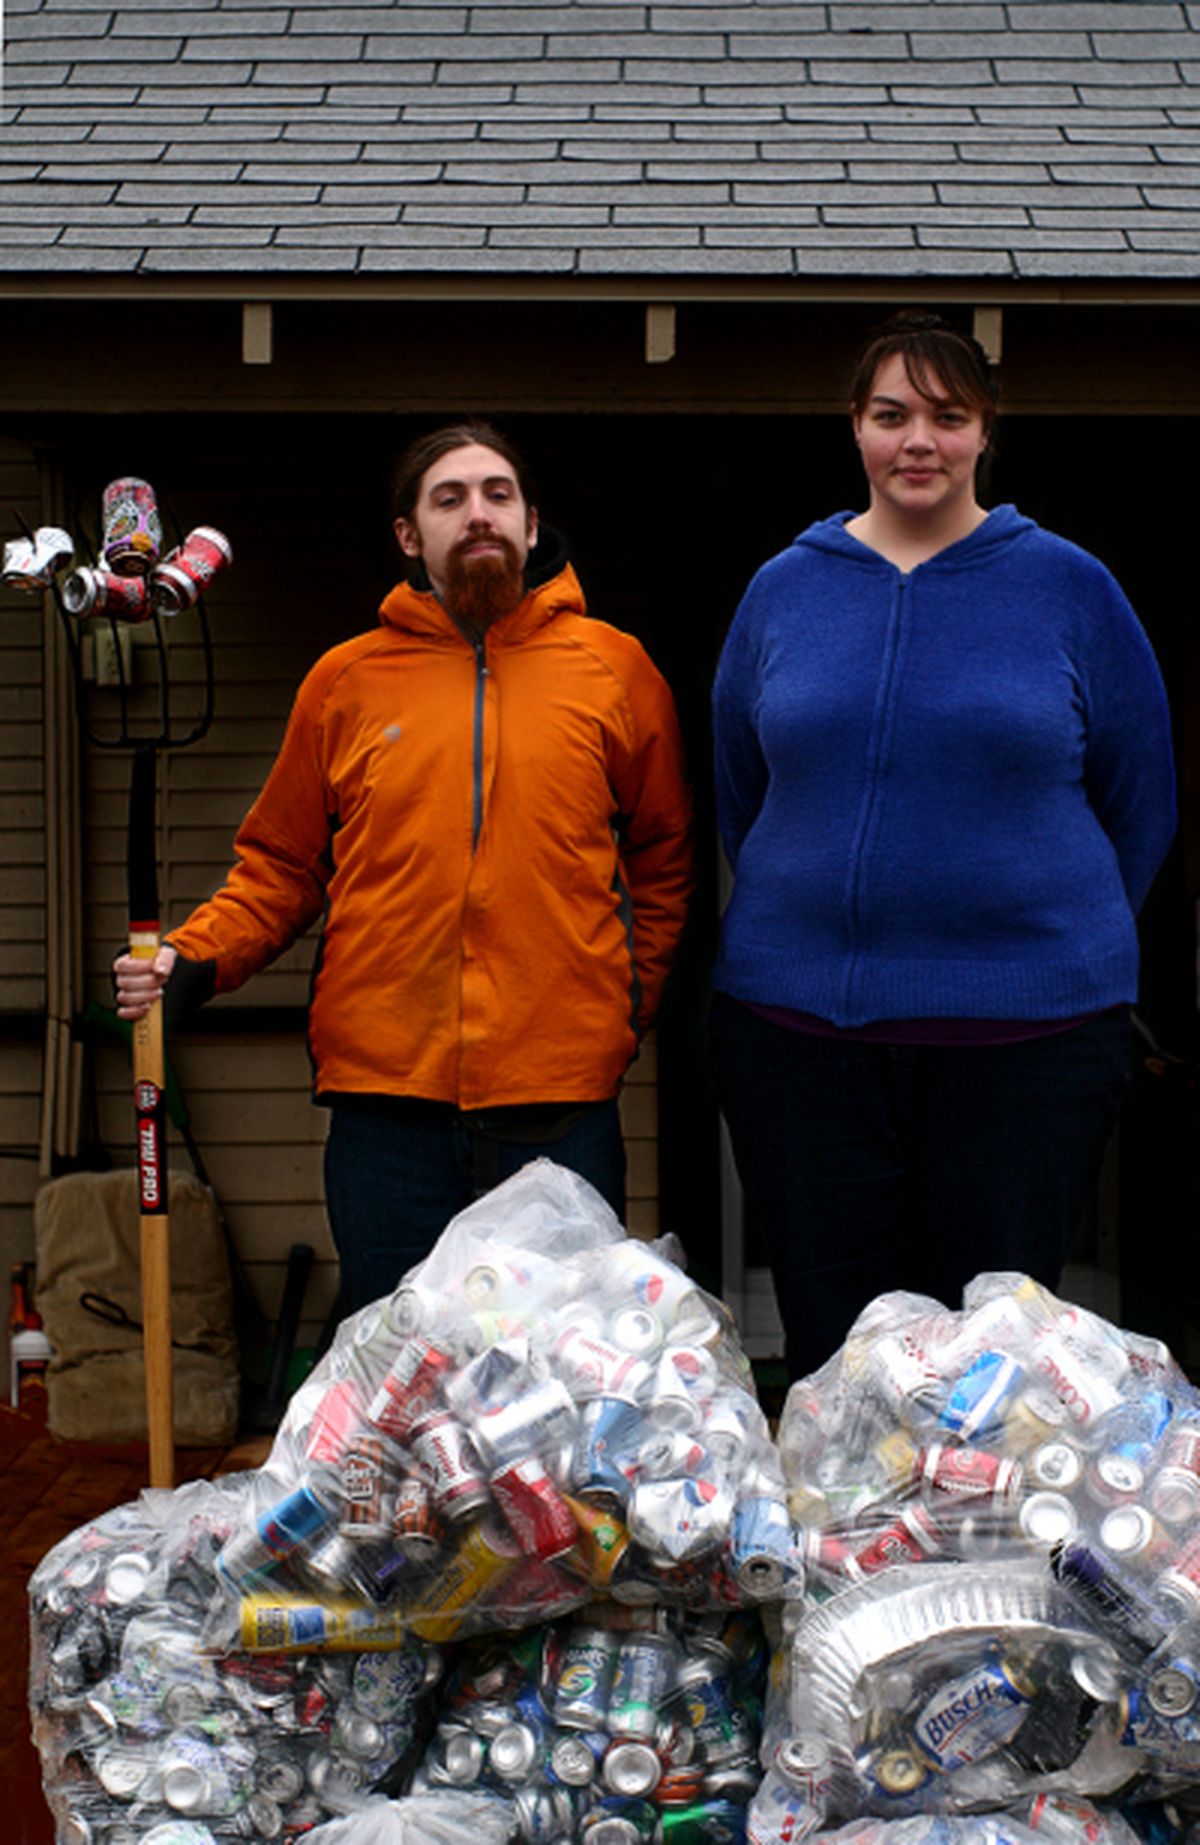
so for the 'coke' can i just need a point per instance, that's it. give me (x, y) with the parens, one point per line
(538, 1516)
(409, 1389)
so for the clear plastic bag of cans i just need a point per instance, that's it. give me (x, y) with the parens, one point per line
(1049, 1818)
(439, 1817)
(1000, 1525)
(544, 1410)
(617, 1725)
(141, 1733)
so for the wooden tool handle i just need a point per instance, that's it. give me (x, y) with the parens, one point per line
(149, 1099)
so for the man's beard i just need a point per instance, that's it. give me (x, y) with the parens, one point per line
(481, 589)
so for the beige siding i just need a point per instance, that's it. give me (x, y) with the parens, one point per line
(22, 867)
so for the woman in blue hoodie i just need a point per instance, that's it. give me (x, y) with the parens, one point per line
(944, 785)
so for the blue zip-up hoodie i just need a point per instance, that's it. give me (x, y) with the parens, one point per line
(945, 793)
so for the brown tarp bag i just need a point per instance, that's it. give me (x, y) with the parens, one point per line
(88, 1234)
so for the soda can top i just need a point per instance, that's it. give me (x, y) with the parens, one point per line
(513, 1752)
(1047, 1518)
(1172, 1690)
(899, 1771)
(611, 1829)
(1117, 1476)
(637, 1330)
(280, 1778)
(121, 1772)
(1096, 1675)
(1127, 1531)
(359, 1733)
(463, 1757)
(125, 1577)
(631, 1769)
(1055, 1464)
(575, 1758)
(799, 1758)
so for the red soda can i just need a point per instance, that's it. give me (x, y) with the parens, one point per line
(95, 592)
(364, 1479)
(447, 1456)
(409, 1389)
(132, 528)
(338, 1414)
(913, 1537)
(537, 1514)
(180, 579)
(967, 1473)
(416, 1525)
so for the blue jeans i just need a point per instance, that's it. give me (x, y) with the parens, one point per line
(397, 1171)
(868, 1167)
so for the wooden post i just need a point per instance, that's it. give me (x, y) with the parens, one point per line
(149, 1093)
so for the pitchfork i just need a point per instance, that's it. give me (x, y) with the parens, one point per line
(144, 738)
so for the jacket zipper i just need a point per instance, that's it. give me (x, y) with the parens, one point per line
(481, 677)
(878, 749)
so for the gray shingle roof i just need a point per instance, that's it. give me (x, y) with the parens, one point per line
(900, 138)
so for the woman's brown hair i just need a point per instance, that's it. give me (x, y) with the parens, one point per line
(935, 354)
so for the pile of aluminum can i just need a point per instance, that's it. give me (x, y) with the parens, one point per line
(142, 1735)
(618, 1726)
(502, 1447)
(999, 1512)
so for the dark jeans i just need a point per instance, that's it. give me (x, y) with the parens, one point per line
(396, 1172)
(869, 1167)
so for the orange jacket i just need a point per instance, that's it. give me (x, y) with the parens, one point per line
(500, 836)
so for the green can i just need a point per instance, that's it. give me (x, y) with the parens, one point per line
(712, 1822)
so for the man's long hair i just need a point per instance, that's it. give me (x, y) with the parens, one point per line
(421, 454)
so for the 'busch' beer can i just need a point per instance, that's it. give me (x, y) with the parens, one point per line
(132, 528)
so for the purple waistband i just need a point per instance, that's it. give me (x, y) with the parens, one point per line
(978, 1032)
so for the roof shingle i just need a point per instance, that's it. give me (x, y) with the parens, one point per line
(897, 137)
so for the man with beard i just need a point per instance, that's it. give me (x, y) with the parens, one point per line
(486, 797)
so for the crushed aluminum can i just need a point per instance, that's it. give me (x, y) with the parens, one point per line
(539, 1421)
(178, 582)
(584, 1679)
(678, 1520)
(646, 1669)
(761, 1545)
(409, 1389)
(99, 592)
(632, 1769)
(33, 563)
(536, 1512)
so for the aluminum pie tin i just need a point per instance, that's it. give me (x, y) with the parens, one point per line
(885, 1624)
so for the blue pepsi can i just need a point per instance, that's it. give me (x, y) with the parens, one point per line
(760, 1546)
(609, 1435)
(281, 1532)
(977, 1403)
